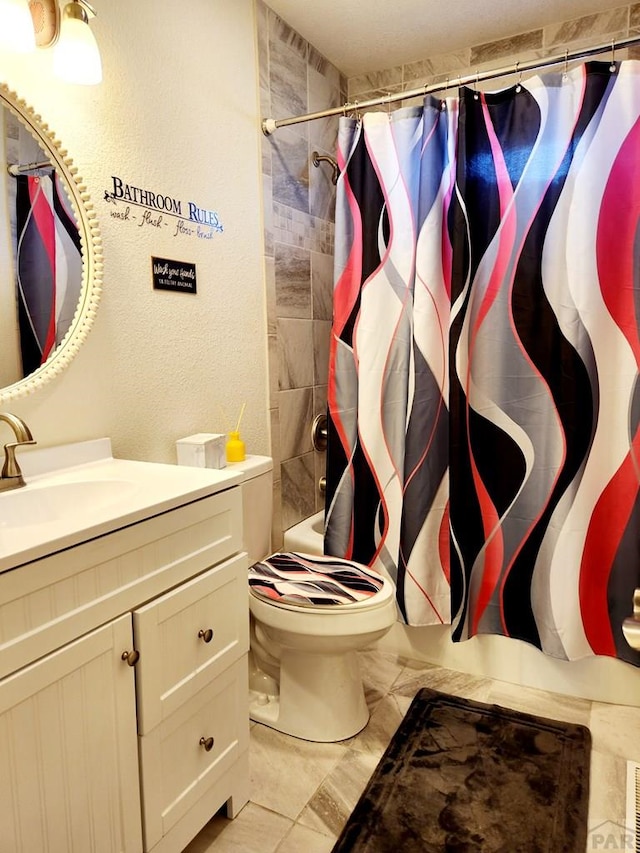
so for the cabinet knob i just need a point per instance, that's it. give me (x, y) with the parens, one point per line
(206, 634)
(207, 742)
(131, 657)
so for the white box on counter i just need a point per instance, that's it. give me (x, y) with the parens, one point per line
(202, 450)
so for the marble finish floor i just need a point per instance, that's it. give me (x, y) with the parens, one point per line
(302, 793)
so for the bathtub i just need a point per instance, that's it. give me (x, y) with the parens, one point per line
(306, 536)
(599, 679)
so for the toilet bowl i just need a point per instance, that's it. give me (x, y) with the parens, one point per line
(310, 615)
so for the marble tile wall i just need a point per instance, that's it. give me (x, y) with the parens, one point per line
(299, 233)
(552, 40)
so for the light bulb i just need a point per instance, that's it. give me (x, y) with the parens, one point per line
(16, 33)
(76, 57)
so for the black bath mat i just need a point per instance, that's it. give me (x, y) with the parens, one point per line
(464, 777)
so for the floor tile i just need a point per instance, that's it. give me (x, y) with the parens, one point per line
(607, 801)
(254, 830)
(335, 799)
(380, 668)
(416, 675)
(616, 729)
(379, 671)
(286, 771)
(568, 709)
(301, 838)
(383, 722)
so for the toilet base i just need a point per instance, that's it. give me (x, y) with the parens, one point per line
(321, 697)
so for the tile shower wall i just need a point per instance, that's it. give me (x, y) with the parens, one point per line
(299, 210)
(299, 216)
(552, 40)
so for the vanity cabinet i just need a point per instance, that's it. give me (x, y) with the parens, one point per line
(68, 763)
(192, 685)
(100, 755)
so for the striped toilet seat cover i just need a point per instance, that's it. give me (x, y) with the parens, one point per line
(312, 581)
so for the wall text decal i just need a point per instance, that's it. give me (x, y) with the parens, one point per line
(146, 208)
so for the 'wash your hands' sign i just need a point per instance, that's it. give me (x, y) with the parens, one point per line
(146, 208)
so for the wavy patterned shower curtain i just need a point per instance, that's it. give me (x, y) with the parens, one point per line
(499, 490)
(387, 452)
(48, 268)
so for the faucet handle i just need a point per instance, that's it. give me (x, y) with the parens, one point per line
(11, 467)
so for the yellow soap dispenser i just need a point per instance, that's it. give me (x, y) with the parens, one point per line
(235, 445)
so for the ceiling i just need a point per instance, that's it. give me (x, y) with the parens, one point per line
(358, 36)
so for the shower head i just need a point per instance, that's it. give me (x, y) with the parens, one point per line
(317, 158)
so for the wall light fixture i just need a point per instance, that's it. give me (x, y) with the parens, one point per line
(76, 57)
(16, 32)
(27, 24)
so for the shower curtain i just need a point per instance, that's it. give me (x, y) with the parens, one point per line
(48, 266)
(483, 404)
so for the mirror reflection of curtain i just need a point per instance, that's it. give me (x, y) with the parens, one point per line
(536, 246)
(10, 366)
(48, 266)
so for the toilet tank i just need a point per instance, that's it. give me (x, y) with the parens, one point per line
(257, 505)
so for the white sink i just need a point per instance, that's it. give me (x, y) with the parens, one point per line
(76, 492)
(47, 503)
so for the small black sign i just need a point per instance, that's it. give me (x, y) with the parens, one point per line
(173, 275)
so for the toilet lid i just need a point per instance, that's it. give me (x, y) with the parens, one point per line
(312, 580)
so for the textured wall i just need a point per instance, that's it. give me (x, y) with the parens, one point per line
(299, 214)
(177, 112)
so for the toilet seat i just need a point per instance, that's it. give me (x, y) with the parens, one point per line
(295, 581)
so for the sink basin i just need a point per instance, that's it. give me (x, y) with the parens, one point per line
(78, 492)
(48, 503)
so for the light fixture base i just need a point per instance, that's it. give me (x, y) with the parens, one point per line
(46, 21)
(75, 11)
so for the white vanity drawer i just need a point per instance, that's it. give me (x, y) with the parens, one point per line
(177, 769)
(51, 601)
(187, 637)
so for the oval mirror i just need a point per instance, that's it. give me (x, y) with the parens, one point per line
(50, 252)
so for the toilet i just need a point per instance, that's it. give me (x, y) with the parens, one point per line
(310, 614)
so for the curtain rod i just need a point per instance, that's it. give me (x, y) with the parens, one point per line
(16, 169)
(270, 125)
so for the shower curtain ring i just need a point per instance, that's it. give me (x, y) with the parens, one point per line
(519, 80)
(612, 67)
(443, 102)
(565, 73)
(476, 94)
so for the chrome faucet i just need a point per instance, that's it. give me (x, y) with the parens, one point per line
(11, 476)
